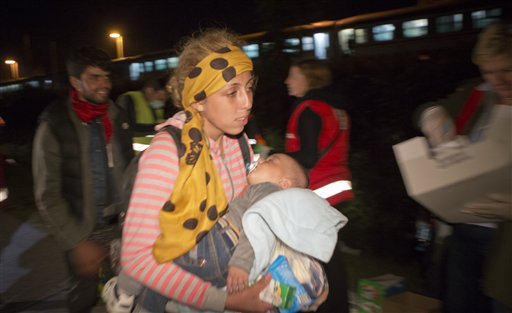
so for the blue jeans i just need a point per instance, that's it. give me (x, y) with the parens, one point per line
(208, 260)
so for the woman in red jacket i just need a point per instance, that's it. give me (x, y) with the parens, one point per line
(317, 136)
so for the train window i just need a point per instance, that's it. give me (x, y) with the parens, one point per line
(321, 45)
(346, 39)
(252, 50)
(361, 35)
(10, 88)
(449, 23)
(291, 45)
(308, 44)
(383, 32)
(47, 83)
(135, 70)
(160, 64)
(33, 83)
(148, 66)
(172, 62)
(415, 28)
(267, 46)
(482, 18)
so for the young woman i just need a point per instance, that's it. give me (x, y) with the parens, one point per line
(175, 201)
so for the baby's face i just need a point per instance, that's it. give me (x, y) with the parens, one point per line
(271, 169)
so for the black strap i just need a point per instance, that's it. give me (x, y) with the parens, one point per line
(244, 147)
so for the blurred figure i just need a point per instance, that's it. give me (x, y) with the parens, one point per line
(467, 112)
(317, 136)
(146, 108)
(4, 192)
(80, 152)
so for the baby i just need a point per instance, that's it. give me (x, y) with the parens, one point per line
(226, 241)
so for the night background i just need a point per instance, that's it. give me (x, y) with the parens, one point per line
(382, 93)
(32, 29)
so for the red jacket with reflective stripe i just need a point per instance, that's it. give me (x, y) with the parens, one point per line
(334, 136)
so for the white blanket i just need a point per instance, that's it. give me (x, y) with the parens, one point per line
(299, 218)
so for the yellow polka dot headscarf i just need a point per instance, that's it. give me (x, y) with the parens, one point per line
(198, 199)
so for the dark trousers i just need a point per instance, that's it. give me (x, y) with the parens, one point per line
(467, 249)
(337, 301)
(84, 290)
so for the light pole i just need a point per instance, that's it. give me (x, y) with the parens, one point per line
(119, 44)
(14, 68)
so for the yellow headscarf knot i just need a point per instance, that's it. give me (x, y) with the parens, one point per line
(198, 198)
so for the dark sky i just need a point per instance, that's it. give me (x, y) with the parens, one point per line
(27, 27)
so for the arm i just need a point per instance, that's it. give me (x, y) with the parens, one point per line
(54, 209)
(310, 125)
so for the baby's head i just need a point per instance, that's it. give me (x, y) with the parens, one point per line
(281, 170)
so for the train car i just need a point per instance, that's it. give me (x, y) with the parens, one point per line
(430, 27)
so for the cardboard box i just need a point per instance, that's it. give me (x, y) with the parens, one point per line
(444, 180)
(371, 292)
(408, 302)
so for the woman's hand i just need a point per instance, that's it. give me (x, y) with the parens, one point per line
(248, 300)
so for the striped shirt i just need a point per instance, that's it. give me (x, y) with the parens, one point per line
(158, 170)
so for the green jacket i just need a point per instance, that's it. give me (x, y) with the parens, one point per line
(63, 185)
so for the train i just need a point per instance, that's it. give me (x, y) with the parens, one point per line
(427, 28)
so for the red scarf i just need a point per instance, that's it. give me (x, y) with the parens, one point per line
(87, 111)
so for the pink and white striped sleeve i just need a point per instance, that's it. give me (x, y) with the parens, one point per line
(158, 169)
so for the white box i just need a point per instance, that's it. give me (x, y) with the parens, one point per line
(443, 182)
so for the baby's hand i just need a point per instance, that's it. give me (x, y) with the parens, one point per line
(238, 279)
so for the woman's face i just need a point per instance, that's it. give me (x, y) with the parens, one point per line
(227, 110)
(296, 82)
(497, 71)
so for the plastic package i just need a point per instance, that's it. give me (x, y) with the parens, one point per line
(298, 276)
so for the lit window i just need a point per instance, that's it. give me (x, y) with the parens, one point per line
(321, 45)
(252, 50)
(345, 38)
(135, 70)
(160, 64)
(291, 45)
(267, 46)
(172, 62)
(47, 83)
(415, 28)
(383, 32)
(483, 18)
(449, 23)
(361, 35)
(33, 83)
(308, 44)
(148, 66)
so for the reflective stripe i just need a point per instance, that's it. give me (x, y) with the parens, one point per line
(4, 193)
(141, 143)
(333, 188)
(139, 147)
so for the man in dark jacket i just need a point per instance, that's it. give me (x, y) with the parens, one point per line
(81, 148)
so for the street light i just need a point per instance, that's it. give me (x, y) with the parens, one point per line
(14, 68)
(119, 44)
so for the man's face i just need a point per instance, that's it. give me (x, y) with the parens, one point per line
(93, 86)
(497, 71)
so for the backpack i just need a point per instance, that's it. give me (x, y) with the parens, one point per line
(133, 167)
